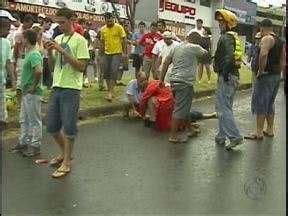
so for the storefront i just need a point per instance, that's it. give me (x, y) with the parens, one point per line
(246, 13)
(89, 10)
(185, 12)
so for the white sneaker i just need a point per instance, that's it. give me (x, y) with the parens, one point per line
(233, 144)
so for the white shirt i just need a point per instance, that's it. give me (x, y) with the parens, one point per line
(93, 34)
(12, 33)
(200, 31)
(161, 49)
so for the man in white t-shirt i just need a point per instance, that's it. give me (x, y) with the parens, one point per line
(161, 51)
(199, 28)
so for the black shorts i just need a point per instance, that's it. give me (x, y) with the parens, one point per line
(137, 61)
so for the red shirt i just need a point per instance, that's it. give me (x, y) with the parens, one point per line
(78, 28)
(148, 41)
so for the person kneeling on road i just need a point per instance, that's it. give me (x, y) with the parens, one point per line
(134, 92)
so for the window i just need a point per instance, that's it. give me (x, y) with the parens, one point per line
(191, 1)
(206, 3)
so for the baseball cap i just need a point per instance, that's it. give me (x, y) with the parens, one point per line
(42, 16)
(167, 34)
(6, 14)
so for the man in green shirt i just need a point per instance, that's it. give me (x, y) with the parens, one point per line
(30, 114)
(68, 56)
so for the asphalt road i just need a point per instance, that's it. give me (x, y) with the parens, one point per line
(122, 168)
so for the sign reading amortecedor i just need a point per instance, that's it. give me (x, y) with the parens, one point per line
(96, 7)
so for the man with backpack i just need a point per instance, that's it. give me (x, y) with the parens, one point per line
(227, 61)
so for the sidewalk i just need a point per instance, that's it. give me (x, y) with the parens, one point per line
(93, 103)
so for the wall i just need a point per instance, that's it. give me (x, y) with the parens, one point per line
(184, 12)
(146, 10)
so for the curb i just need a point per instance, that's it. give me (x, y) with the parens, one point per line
(116, 107)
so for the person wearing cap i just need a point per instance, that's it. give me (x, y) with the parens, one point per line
(114, 46)
(15, 25)
(253, 56)
(271, 63)
(67, 56)
(6, 64)
(161, 51)
(162, 27)
(148, 41)
(185, 59)
(228, 81)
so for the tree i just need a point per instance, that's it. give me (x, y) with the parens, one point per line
(130, 11)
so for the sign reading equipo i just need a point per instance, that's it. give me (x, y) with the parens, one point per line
(182, 11)
(29, 8)
(88, 6)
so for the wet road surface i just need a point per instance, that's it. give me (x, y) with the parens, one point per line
(122, 168)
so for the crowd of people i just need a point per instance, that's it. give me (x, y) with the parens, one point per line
(61, 52)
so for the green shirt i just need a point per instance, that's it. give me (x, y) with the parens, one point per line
(32, 59)
(65, 76)
(5, 55)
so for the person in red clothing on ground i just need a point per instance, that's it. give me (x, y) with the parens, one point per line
(148, 41)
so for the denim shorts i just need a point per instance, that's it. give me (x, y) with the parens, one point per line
(111, 66)
(183, 94)
(63, 112)
(264, 94)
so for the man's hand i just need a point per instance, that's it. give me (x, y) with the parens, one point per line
(124, 56)
(136, 114)
(32, 90)
(161, 84)
(50, 45)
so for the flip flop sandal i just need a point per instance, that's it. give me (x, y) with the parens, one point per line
(253, 137)
(174, 140)
(60, 173)
(267, 134)
(41, 161)
(57, 162)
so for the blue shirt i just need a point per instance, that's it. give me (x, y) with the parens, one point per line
(133, 90)
(138, 48)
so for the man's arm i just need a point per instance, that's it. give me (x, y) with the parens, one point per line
(124, 45)
(265, 45)
(165, 67)
(228, 63)
(130, 99)
(10, 70)
(77, 64)
(282, 61)
(37, 78)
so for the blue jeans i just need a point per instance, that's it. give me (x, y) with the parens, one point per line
(63, 112)
(30, 120)
(224, 108)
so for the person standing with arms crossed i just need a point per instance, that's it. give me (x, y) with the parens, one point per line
(68, 55)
